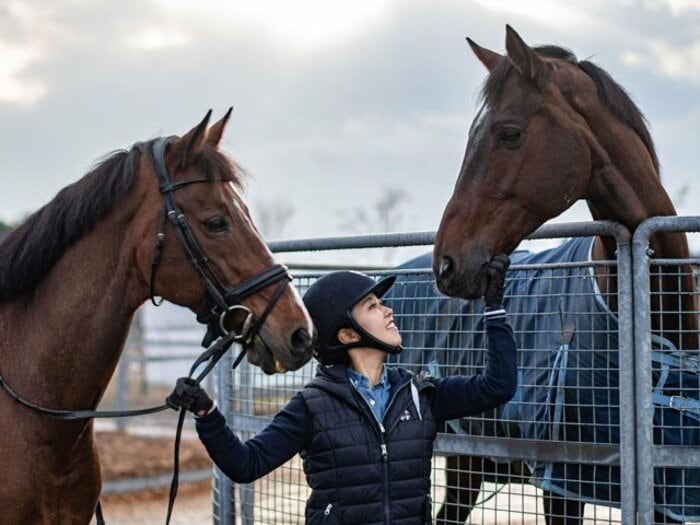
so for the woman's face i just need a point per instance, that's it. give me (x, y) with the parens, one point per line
(377, 319)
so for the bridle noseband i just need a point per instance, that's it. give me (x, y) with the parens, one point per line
(221, 301)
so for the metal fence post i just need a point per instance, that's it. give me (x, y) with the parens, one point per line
(643, 379)
(247, 491)
(122, 389)
(134, 340)
(628, 481)
(224, 499)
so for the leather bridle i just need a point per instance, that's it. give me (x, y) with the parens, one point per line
(221, 301)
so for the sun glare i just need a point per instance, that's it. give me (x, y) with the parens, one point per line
(304, 25)
(554, 13)
(311, 23)
(154, 38)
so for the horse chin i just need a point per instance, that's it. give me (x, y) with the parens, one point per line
(468, 286)
(261, 356)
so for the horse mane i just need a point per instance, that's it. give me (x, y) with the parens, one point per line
(613, 95)
(29, 252)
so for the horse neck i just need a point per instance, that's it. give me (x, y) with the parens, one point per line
(627, 189)
(64, 339)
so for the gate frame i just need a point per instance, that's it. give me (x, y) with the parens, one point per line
(636, 455)
(648, 454)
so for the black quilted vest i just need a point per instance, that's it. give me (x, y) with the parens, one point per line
(361, 472)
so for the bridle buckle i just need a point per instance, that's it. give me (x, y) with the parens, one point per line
(247, 324)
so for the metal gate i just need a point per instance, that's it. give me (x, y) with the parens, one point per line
(601, 409)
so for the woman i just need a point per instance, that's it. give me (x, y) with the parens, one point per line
(365, 432)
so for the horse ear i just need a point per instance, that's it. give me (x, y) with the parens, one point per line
(524, 59)
(217, 130)
(485, 56)
(190, 146)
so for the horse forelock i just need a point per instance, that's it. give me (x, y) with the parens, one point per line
(613, 96)
(214, 165)
(29, 252)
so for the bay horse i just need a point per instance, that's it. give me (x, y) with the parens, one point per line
(165, 218)
(553, 130)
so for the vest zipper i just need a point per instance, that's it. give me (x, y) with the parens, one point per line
(382, 444)
(327, 512)
(385, 471)
(385, 455)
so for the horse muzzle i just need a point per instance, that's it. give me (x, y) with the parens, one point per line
(465, 279)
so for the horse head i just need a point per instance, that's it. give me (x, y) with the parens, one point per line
(531, 153)
(218, 249)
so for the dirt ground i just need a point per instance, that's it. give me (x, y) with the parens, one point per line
(125, 455)
(192, 507)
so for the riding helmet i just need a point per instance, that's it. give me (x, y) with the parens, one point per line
(330, 300)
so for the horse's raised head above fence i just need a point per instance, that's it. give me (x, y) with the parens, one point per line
(551, 130)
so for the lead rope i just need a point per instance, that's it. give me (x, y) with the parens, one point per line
(213, 355)
(176, 452)
(99, 518)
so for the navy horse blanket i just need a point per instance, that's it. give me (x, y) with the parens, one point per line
(567, 366)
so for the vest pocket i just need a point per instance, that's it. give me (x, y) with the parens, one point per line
(428, 510)
(328, 515)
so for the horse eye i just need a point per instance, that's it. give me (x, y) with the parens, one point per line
(510, 136)
(216, 225)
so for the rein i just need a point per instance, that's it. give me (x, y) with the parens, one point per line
(225, 301)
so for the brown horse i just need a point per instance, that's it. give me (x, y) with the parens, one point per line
(71, 278)
(553, 130)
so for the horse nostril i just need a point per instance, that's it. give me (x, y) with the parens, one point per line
(446, 267)
(301, 341)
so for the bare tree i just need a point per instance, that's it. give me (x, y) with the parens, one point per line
(272, 217)
(385, 215)
(681, 195)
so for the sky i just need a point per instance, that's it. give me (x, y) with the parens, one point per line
(337, 105)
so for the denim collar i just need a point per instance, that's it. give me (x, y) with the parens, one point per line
(360, 380)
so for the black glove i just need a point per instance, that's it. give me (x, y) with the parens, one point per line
(493, 297)
(190, 396)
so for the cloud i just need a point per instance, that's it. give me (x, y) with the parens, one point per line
(676, 7)
(156, 38)
(678, 62)
(17, 86)
(331, 102)
(572, 16)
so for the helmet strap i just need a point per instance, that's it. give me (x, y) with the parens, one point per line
(368, 340)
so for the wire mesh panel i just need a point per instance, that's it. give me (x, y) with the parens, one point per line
(568, 394)
(569, 445)
(668, 385)
(675, 392)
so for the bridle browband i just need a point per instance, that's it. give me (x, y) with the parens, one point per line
(221, 302)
